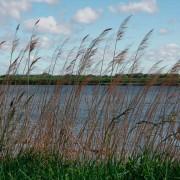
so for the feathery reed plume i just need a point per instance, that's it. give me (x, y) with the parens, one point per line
(120, 58)
(122, 28)
(66, 67)
(85, 61)
(79, 53)
(119, 36)
(89, 122)
(34, 61)
(103, 57)
(31, 47)
(57, 54)
(176, 67)
(14, 43)
(139, 53)
(1, 43)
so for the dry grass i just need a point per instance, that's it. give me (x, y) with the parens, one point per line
(114, 125)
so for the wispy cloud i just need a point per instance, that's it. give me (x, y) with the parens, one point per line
(146, 6)
(169, 52)
(46, 43)
(87, 15)
(15, 8)
(163, 31)
(46, 1)
(48, 25)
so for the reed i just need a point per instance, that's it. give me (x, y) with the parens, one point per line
(113, 125)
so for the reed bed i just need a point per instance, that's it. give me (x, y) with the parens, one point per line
(114, 125)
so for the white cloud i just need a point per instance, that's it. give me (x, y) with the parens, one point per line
(172, 21)
(167, 55)
(146, 6)
(48, 25)
(163, 31)
(46, 43)
(170, 53)
(46, 1)
(15, 8)
(86, 15)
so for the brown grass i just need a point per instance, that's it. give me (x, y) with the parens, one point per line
(113, 125)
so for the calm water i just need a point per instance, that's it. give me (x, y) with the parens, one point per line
(167, 99)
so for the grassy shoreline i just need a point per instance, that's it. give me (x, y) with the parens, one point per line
(43, 166)
(126, 79)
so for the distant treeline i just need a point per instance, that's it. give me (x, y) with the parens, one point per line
(123, 79)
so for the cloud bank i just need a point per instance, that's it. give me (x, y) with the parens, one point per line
(146, 6)
(86, 15)
(48, 25)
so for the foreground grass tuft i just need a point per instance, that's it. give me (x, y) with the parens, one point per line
(40, 166)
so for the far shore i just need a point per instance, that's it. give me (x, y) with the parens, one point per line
(123, 79)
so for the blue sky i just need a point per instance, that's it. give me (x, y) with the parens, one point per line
(76, 18)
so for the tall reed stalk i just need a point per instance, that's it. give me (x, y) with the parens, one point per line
(89, 122)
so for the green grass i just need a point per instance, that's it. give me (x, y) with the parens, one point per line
(140, 79)
(39, 166)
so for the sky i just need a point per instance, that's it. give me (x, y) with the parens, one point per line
(61, 19)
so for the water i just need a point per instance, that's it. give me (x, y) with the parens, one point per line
(166, 98)
(97, 104)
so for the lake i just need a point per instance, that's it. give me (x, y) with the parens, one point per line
(165, 99)
(127, 108)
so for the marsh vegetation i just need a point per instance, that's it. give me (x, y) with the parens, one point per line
(125, 132)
